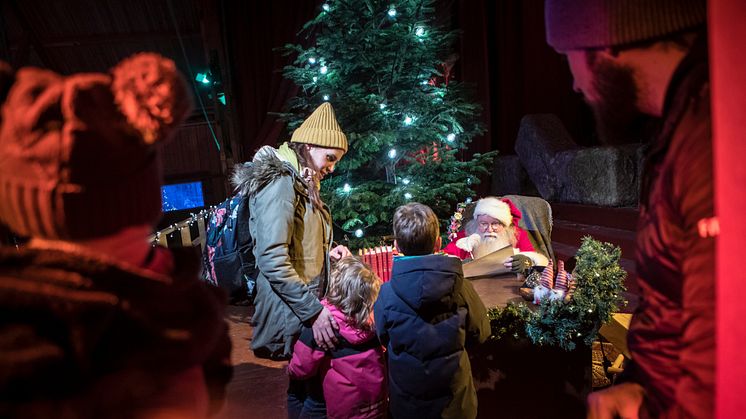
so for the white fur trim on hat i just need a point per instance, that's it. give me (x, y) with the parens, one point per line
(495, 208)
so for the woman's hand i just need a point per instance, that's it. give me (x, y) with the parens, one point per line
(324, 327)
(339, 252)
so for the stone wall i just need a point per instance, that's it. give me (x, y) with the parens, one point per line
(550, 164)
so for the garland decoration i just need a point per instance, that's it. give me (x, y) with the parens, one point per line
(456, 220)
(565, 322)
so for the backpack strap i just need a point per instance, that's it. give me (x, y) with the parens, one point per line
(243, 234)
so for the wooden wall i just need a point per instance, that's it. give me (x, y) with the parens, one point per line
(193, 156)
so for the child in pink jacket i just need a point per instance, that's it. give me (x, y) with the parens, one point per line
(353, 375)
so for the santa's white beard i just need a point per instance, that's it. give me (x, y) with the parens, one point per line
(491, 242)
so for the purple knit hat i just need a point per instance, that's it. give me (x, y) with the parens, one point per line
(587, 24)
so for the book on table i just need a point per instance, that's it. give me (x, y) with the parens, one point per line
(380, 259)
(489, 265)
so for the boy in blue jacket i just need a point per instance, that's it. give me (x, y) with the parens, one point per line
(426, 316)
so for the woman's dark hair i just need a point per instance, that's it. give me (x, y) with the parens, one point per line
(304, 160)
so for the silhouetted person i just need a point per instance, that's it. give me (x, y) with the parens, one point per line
(649, 57)
(94, 321)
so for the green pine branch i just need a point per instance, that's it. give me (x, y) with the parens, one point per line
(383, 73)
(600, 283)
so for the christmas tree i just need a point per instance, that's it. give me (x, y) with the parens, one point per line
(385, 66)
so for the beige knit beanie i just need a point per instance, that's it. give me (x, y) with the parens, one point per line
(321, 129)
(585, 24)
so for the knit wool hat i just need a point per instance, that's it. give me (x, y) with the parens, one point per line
(321, 129)
(575, 24)
(78, 154)
(495, 208)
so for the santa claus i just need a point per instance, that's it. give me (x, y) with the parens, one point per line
(495, 222)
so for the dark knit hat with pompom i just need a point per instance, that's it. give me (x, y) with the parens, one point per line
(79, 154)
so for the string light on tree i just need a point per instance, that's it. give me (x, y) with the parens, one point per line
(203, 78)
(408, 117)
(358, 233)
(450, 137)
(392, 153)
(326, 97)
(326, 7)
(408, 195)
(315, 79)
(346, 188)
(405, 181)
(312, 60)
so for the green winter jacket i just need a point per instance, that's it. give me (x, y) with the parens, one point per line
(291, 246)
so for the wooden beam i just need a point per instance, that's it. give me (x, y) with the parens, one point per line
(108, 38)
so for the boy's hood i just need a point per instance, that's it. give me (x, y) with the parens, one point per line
(423, 281)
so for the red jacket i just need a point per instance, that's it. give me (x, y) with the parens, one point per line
(87, 337)
(353, 374)
(672, 335)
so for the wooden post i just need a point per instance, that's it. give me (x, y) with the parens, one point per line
(186, 236)
(201, 227)
(727, 62)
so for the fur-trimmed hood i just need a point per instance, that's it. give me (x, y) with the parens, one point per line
(268, 164)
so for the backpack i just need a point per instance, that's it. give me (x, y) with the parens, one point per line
(228, 259)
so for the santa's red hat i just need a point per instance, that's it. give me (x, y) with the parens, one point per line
(494, 208)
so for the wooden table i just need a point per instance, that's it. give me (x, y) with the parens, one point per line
(517, 379)
(498, 291)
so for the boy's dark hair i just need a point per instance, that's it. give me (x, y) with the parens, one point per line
(415, 229)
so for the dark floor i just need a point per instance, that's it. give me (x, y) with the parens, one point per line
(258, 386)
(508, 376)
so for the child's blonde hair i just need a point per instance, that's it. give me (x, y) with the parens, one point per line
(353, 289)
